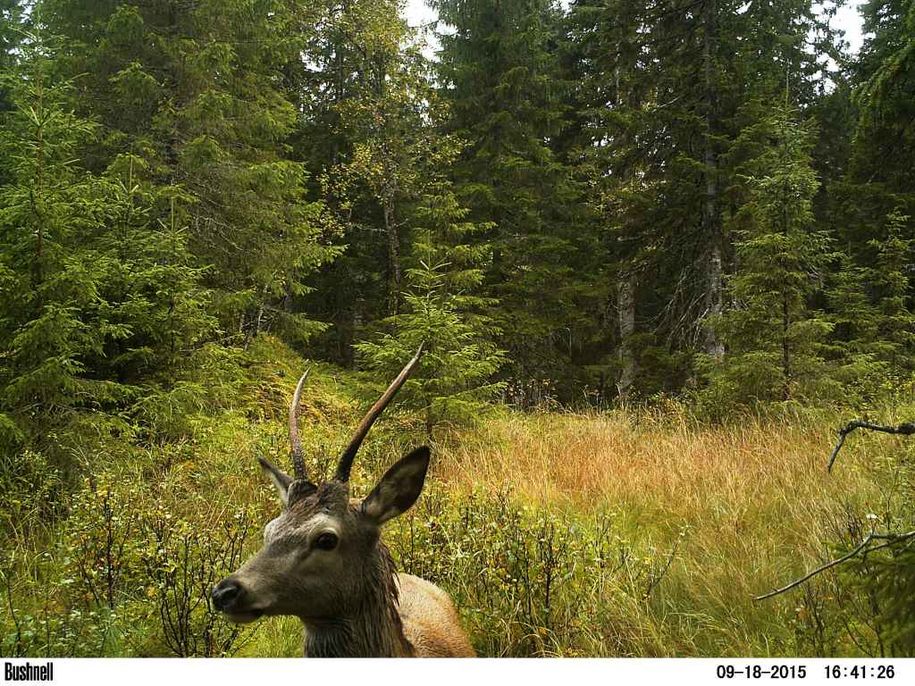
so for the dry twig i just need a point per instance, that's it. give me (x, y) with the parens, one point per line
(888, 540)
(906, 429)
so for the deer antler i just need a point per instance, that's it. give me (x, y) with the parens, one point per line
(298, 458)
(346, 459)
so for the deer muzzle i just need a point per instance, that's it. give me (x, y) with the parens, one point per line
(229, 597)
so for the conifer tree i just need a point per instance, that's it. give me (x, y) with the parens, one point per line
(395, 149)
(443, 311)
(369, 136)
(195, 91)
(884, 76)
(851, 343)
(605, 51)
(774, 339)
(890, 280)
(11, 25)
(660, 94)
(100, 305)
(868, 204)
(500, 71)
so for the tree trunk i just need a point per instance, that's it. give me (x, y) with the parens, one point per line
(394, 272)
(626, 307)
(786, 351)
(711, 219)
(630, 99)
(712, 345)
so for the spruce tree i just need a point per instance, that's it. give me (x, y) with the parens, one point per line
(500, 71)
(369, 136)
(660, 98)
(100, 305)
(890, 279)
(443, 311)
(11, 26)
(605, 50)
(867, 206)
(395, 147)
(774, 339)
(196, 92)
(884, 77)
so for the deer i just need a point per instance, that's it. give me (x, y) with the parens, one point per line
(324, 562)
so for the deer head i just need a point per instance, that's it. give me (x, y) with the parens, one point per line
(321, 558)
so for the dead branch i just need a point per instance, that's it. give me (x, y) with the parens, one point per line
(906, 429)
(863, 546)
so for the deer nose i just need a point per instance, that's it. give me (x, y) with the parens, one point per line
(226, 594)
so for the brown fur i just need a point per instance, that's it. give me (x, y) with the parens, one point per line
(409, 617)
(430, 622)
(350, 599)
(323, 560)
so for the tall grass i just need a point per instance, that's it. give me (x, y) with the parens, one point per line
(631, 532)
(702, 519)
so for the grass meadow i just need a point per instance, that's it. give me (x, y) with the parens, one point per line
(631, 532)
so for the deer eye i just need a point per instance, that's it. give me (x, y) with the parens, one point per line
(326, 541)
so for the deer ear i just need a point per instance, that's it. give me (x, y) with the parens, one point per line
(399, 487)
(280, 479)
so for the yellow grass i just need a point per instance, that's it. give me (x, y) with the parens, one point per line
(749, 507)
(672, 470)
(661, 529)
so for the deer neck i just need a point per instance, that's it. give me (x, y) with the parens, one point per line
(372, 629)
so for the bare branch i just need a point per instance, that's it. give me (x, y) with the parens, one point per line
(889, 539)
(906, 429)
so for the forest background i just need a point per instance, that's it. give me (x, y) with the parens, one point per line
(657, 251)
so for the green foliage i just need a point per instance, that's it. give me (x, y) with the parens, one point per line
(889, 279)
(662, 97)
(884, 76)
(34, 490)
(370, 135)
(858, 367)
(397, 149)
(444, 312)
(195, 93)
(893, 579)
(582, 574)
(873, 318)
(533, 582)
(602, 149)
(500, 67)
(872, 589)
(593, 205)
(100, 300)
(10, 28)
(774, 340)
(132, 570)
